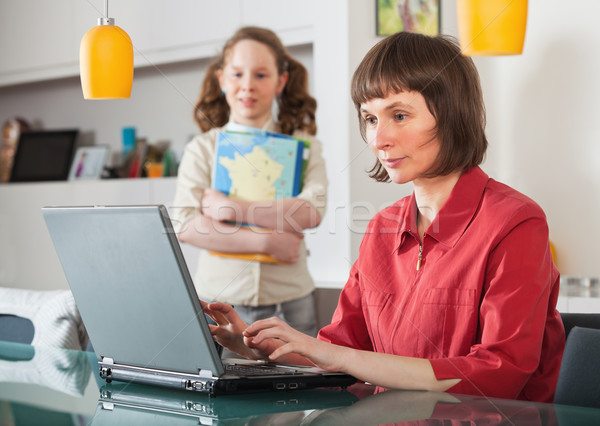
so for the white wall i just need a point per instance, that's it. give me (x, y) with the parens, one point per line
(542, 123)
(543, 127)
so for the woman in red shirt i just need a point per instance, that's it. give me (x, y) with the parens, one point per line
(454, 288)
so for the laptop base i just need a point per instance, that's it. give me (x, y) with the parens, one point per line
(204, 382)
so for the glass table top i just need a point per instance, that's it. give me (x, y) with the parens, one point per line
(50, 386)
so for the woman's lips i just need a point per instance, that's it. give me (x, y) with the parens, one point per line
(391, 162)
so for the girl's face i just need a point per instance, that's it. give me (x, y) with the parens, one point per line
(400, 131)
(251, 82)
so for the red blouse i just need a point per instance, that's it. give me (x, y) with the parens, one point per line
(482, 305)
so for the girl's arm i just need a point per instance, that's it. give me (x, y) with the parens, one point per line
(204, 232)
(283, 215)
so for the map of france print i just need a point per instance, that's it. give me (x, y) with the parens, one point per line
(257, 167)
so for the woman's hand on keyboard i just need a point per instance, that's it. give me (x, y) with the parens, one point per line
(290, 346)
(229, 331)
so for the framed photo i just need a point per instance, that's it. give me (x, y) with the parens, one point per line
(88, 162)
(415, 16)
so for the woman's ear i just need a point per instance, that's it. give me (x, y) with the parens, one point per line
(283, 79)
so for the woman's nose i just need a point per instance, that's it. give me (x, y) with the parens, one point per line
(381, 138)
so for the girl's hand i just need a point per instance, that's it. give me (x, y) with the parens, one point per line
(322, 354)
(219, 206)
(284, 246)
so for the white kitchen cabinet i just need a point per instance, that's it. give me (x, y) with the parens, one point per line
(176, 30)
(39, 39)
(293, 21)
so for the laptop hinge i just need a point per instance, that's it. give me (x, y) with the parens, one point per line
(206, 374)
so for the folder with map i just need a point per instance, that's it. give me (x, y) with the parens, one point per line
(258, 166)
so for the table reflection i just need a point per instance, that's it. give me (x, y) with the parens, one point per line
(55, 386)
(45, 385)
(58, 369)
(137, 404)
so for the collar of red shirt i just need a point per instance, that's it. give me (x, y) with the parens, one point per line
(456, 214)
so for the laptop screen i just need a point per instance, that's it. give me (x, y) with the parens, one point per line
(132, 287)
(43, 156)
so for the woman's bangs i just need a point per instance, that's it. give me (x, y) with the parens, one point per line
(384, 79)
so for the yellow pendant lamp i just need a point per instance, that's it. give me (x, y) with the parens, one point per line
(491, 27)
(106, 61)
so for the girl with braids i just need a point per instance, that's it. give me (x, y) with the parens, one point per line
(252, 73)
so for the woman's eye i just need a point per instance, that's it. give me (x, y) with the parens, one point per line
(261, 75)
(371, 121)
(399, 116)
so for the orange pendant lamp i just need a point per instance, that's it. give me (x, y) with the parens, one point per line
(106, 61)
(491, 27)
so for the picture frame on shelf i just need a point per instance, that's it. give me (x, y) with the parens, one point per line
(43, 155)
(416, 16)
(88, 162)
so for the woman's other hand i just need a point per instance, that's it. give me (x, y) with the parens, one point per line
(229, 331)
(229, 328)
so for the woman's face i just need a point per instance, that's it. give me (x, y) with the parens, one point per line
(400, 131)
(251, 82)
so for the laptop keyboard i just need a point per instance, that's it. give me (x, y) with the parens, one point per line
(252, 370)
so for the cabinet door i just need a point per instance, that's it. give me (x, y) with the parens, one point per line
(36, 39)
(176, 30)
(292, 20)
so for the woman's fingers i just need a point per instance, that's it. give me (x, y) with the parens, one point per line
(221, 313)
(259, 325)
(220, 307)
(272, 328)
(282, 351)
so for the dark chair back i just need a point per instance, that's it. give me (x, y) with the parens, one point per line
(586, 320)
(579, 378)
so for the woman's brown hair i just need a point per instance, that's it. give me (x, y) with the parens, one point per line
(296, 106)
(447, 80)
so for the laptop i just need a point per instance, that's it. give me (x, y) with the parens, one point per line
(43, 155)
(137, 300)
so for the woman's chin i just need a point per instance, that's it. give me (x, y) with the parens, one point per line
(399, 178)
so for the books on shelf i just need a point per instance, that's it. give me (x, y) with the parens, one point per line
(258, 166)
